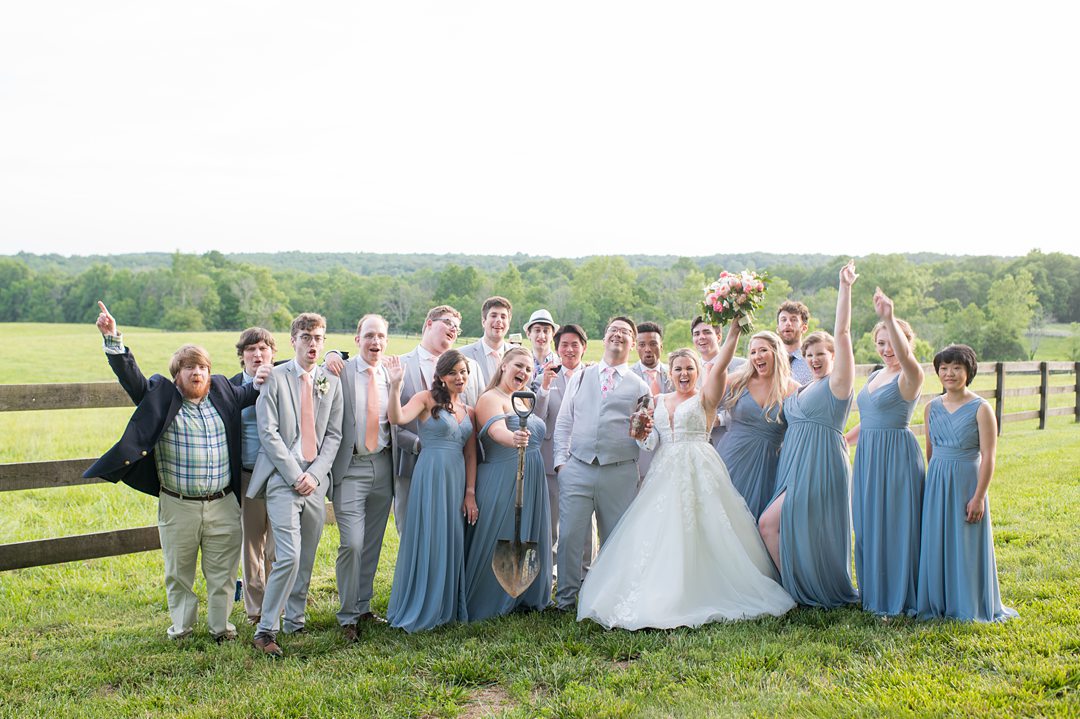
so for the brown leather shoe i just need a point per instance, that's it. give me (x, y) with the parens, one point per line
(254, 621)
(349, 630)
(371, 617)
(267, 646)
(226, 636)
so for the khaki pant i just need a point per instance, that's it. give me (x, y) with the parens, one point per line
(185, 527)
(258, 552)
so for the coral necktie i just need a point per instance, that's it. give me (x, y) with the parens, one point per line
(307, 418)
(371, 428)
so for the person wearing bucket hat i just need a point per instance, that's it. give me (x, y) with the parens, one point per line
(539, 329)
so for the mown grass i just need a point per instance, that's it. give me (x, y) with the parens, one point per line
(88, 638)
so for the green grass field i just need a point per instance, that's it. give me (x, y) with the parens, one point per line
(88, 638)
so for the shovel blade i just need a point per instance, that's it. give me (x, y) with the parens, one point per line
(515, 564)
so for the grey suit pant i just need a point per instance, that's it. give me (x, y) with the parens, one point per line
(361, 506)
(297, 524)
(584, 488)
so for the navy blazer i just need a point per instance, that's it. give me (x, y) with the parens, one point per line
(157, 400)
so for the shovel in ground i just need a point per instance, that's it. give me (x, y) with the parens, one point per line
(516, 563)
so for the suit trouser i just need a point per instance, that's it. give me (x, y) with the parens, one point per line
(258, 552)
(361, 506)
(297, 524)
(186, 526)
(583, 489)
(401, 501)
(590, 545)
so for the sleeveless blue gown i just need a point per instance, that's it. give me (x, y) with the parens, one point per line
(815, 521)
(495, 489)
(957, 569)
(886, 503)
(751, 451)
(429, 588)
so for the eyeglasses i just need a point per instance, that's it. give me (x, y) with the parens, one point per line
(449, 323)
(620, 331)
(312, 339)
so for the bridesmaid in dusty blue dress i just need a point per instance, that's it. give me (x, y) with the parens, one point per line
(496, 483)
(886, 503)
(429, 588)
(751, 446)
(807, 526)
(957, 569)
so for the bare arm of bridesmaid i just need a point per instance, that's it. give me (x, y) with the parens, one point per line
(976, 507)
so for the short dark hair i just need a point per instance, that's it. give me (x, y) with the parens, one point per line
(305, 322)
(650, 327)
(795, 308)
(574, 330)
(496, 301)
(958, 354)
(699, 320)
(627, 320)
(253, 336)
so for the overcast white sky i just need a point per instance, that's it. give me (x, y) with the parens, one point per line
(560, 128)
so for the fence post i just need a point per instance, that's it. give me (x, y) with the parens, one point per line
(999, 395)
(1044, 384)
(1076, 379)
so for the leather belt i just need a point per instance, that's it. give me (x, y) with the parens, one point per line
(207, 498)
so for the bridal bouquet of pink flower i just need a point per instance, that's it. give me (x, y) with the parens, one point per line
(735, 296)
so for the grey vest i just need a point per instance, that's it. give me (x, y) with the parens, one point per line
(602, 428)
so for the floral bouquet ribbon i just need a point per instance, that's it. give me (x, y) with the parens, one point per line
(733, 297)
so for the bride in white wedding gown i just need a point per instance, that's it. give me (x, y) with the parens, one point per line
(687, 551)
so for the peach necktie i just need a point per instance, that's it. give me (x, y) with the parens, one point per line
(371, 427)
(654, 385)
(307, 418)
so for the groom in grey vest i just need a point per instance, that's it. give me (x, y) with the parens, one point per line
(595, 457)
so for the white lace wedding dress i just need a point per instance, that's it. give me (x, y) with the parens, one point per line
(687, 551)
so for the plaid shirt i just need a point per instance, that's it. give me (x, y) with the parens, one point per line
(192, 455)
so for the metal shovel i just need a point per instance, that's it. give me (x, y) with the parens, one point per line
(516, 563)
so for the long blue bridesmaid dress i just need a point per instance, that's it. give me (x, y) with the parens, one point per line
(751, 451)
(886, 505)
(429, 587)
(495, 489)
(815, 520)
(957, 569)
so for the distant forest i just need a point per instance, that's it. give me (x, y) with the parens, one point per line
(991, 303)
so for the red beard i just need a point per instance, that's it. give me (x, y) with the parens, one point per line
(194, 393)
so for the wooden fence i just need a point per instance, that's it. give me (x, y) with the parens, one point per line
(68, 473)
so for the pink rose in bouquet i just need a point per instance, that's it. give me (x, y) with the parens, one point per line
(735, 296)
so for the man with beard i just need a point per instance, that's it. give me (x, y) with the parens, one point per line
(792, 321)
(183, 446)
(487, 351)
(595, 457)
(299, 414)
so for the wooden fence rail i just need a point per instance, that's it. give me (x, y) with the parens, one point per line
(68, 472)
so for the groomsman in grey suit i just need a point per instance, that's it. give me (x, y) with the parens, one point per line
(707, 341)
(487, 351)
(595, 457)
(299, 414)
(652, 368)
(570, 343)
(363, 474)
(440, 330)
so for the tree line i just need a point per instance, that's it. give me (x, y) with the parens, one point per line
(990, 303)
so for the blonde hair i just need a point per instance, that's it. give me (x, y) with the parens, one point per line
(781, 376)
(188, 356)
(820, 336)
(902, 324)
(497, 376)
(684, 352)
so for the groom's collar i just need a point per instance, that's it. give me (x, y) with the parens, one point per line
(621, 369)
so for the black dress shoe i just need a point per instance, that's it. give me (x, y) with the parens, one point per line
(350, 633)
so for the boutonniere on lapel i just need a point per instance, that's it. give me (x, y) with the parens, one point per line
(322, 385)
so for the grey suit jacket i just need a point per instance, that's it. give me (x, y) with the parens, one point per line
(278, 413)
(589, 428)
(547, 409)
(477, 352)
(666, 385)
(408, 440)
(348, 421)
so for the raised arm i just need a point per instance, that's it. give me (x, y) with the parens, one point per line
(842, 380)
(121, 361)
(911, 372)
(417, 404)
(712, 390)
